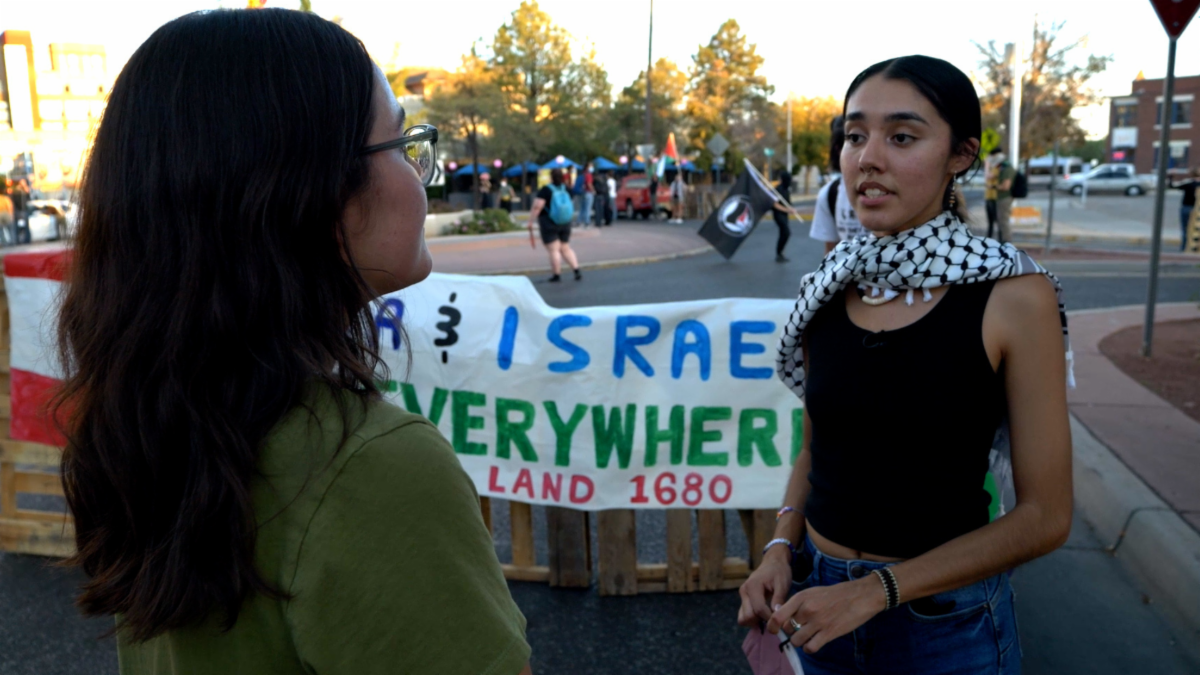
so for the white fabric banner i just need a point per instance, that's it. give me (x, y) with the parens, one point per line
(638, 406)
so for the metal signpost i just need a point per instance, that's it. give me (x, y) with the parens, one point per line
(1050, 211)
(1175, 16)
(717, 145)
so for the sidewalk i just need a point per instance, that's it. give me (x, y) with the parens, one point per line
(620, 244)
(1137, 465)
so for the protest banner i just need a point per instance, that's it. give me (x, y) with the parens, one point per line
(641, 406)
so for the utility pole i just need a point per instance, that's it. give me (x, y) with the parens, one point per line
(649, 65)
(1013, 52)
(1050, 213)
(789, 136)
(1164, 155)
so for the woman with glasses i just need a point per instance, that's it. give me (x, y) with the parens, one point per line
(244, 501)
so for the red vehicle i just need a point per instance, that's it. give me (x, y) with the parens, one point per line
(633, 197)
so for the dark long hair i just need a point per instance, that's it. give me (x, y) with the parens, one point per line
(943, 85)
(209, 288)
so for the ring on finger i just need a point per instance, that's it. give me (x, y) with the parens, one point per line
(795, 625)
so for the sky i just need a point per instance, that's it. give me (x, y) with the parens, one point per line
(811, 48)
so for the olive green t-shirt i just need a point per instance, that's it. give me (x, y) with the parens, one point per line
(1005, 172)
(380, 543)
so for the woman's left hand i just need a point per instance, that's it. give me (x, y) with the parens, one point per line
(828, 612)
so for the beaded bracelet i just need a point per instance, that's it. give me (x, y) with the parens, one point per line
(791, 549)
(784, 511)
(891, 589)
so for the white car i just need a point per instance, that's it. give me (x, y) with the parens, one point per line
(49, 219)
(1108, 178)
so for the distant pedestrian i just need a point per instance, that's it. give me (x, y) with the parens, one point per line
(653, 190)
(506, 194)
(611, 184)
(1189, 203)
(678, 193)
(989, 193)
(886, 557)
(553, 210)
(834, 219)
(485, 189)
(585, 189)
(1002, 183)
(781, 213)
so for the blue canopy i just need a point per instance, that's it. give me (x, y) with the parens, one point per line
(637, 165)
(518, 169)
(469, 170)
(605, 164)
(552, 164)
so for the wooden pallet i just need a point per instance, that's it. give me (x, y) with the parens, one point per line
(618, 571)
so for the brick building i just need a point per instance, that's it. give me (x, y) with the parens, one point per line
(1135, 130)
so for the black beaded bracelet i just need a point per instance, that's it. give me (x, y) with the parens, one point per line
(891, 589)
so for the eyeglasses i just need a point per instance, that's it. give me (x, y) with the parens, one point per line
(419, 144)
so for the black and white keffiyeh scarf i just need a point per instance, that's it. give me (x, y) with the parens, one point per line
(939, 253)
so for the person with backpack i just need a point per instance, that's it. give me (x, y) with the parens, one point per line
(553, 209)
(1004, 184)
(834, 219)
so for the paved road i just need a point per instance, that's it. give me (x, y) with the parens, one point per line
(1078, 611)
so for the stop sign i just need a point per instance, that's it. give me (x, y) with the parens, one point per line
(1175, 14)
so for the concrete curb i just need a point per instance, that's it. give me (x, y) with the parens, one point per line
(602, 265)
(1150, 539)
(1032, 238)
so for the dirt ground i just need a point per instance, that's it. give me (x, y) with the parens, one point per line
(1173, 372)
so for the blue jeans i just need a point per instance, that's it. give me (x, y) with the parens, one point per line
(585, 214)
(1185, 214)
(968, 630)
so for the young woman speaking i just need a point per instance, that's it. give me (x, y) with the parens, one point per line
(917, 348)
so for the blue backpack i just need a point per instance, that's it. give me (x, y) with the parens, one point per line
(562, 209)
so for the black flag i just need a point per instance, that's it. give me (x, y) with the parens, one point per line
(731, 222)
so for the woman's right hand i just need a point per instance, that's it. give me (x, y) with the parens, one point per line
(766, 588)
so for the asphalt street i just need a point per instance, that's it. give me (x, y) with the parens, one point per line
(1078, 611)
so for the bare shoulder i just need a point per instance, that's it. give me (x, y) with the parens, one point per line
(1020, 300)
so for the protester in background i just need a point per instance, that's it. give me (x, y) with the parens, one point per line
(600, 207)
(1002, 184)
(611, 184)
(244, 500)
(990, 174)
(485, 190)
(653, 190)
(553, 210)
(585, 190)
(781, 211)
(678, 192)
(886, 505)
(506, 194)
(1188, 204)
(833, 218)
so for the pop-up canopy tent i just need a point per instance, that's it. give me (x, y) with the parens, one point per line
(605, 164)
(556, 164)
(518, 169)
(470, 169)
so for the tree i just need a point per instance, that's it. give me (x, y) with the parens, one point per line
(724, 88)
(563, 98)
(1054, 84)
(465, 104)
(811, 119)
(668, 85)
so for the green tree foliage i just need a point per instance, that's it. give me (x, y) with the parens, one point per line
(668, 85)
(811, 119)
(563, 98)
(465, 105)
(1055, 82)
(726, 90)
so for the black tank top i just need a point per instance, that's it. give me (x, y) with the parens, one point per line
(902, 424)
